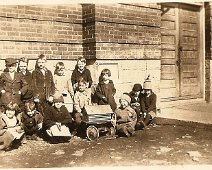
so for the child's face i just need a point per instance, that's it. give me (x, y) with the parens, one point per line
(11, 68)
(137, 93)
(123, 103)
(81, 65)
(105, 77)
(61, 71)
(58, 104)
(10, 113)
(82, 86)
(31, 113)
(22, 66)
(41, 63)
(148, 91)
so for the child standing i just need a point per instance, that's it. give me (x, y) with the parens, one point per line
(148, 104)
(63, 85)
(12, 84)
(57, 120)
(13, 131)
(81, 72)
(42, 81)
(82, 98)
(105, 90)
(31, 120)
(126, 117)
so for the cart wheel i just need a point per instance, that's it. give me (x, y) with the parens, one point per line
(111, 131)
(113, 119)
(92, 133)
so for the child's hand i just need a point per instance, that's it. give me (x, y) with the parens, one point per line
(36, 100)
(75, 86)
(50, 99)
(40, 125)
(19, 92)
(19, 129)
(3, 91)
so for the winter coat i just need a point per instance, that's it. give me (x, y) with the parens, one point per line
(43, 85)
(86, 75)
(28, 77)
(53, 115)
(108, 91)
(12, 87)
(148, 103)
(126, 118)
(30, 124)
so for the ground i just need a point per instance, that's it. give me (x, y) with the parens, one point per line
(168, 142)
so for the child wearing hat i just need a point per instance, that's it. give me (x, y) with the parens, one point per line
(11, 131)
(106, 90)
(126, 117)
(57, 120)
(148, 104)
(81, 72)
(12, 84)
(63, 85)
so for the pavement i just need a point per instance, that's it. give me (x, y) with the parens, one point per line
(193, 110)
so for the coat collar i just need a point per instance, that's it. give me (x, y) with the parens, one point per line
(7, 74)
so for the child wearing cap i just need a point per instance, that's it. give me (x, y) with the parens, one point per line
(126, 117)
(148, 104)
(10, 126)
(81, 72)
(42, 81)
(31, 120)
(12, 84)
(106, 90)
(63, 85)
(57, 120)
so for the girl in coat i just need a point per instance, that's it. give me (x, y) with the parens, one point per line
(63, 85)
(126, 117)
(105, 90)
(10, 126)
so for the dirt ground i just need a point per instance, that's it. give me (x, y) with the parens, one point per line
(168, 142)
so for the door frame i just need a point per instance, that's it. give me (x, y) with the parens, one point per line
(201, 46)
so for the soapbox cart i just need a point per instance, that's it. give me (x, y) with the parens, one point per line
(101, 119)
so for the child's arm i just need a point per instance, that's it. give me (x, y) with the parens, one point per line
(100, 94)
(90, 81)
(76, 103)
(24, 85)
(152, 106)
(70, 88)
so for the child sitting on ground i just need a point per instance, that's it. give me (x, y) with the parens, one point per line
(31, 121)
(105, 90)
(57, 121)
(148, 105)
(126, 117)
(63, 85)
(82, 98)
(12, 132)
(81, 72)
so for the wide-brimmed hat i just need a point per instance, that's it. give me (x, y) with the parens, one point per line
(147, 85)
(10, 61)
(137, 87)
(58, 98)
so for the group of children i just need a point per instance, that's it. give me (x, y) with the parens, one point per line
(52, 106)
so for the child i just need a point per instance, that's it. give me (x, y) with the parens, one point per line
(63, 85)
(81, 98)
(148, 104)
(22, 68)
(57, 120)
(105, 90)
(10, 124)
(81, 72)
(31, 120)
(12, 84)
(126, 117)
(42, 81)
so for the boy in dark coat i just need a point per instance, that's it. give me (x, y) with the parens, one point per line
(57, 120)
(148, 105)
(22, 68)
(12, 84)
(31, 120)
(42, 81)
(105, 90)
(81, 72)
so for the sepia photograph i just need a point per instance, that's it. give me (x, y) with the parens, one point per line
(124, 84)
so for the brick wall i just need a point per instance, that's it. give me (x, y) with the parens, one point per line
(30, 30)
